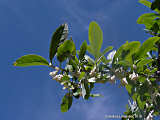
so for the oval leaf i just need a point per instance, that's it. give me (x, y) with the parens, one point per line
(66, 102)
(95, 38)
(30, 60)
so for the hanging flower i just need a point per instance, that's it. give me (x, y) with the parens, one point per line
(133, 76)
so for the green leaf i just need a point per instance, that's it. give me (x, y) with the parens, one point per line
(143, 62)
(147, 46)
(83, 49)
(126, 51)
(58, 37)
(95, 38)
(95, 95)
(155, 28)
(148, 19)
(107, 50)
(67, 49)
(102, 57)
(146, 3)
(141, 104)
(30, 60)
(155, 5)
(66, 102)
(129, 88)
(86, 85)
(81, 76)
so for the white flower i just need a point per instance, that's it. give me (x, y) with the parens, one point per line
(149, 55)
(124, 81)
(93, 79)
(58, 77)
(112, 79)
(57, 68)
(92, 73)
(53, 74)
(64, 88)
(150, 116)
(133, 105)
(134, 66)
(83, 90)
(133, 76)
(110, 56)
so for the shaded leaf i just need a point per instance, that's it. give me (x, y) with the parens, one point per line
(102, 57)
(149, 5)
(155, 28)
(143, 62)
(155, 5)
(83, 49)
(65, 50)
(30, 60)
(66, 102)
(141, 104)
(126, 51)
(58, 37)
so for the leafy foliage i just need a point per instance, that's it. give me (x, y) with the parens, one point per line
(136, 66)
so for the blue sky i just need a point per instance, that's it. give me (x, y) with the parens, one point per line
(26, 27)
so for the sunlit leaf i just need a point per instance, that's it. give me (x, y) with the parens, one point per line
(148, 19)
(30, 60)
(66, 102)
(129, 88)
(146, 3)
(95, 38)
(147, 46)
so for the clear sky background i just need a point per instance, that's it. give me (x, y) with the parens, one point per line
(26, 27)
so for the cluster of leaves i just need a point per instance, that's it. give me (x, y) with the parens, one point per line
(136, 65)
(80, 72)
